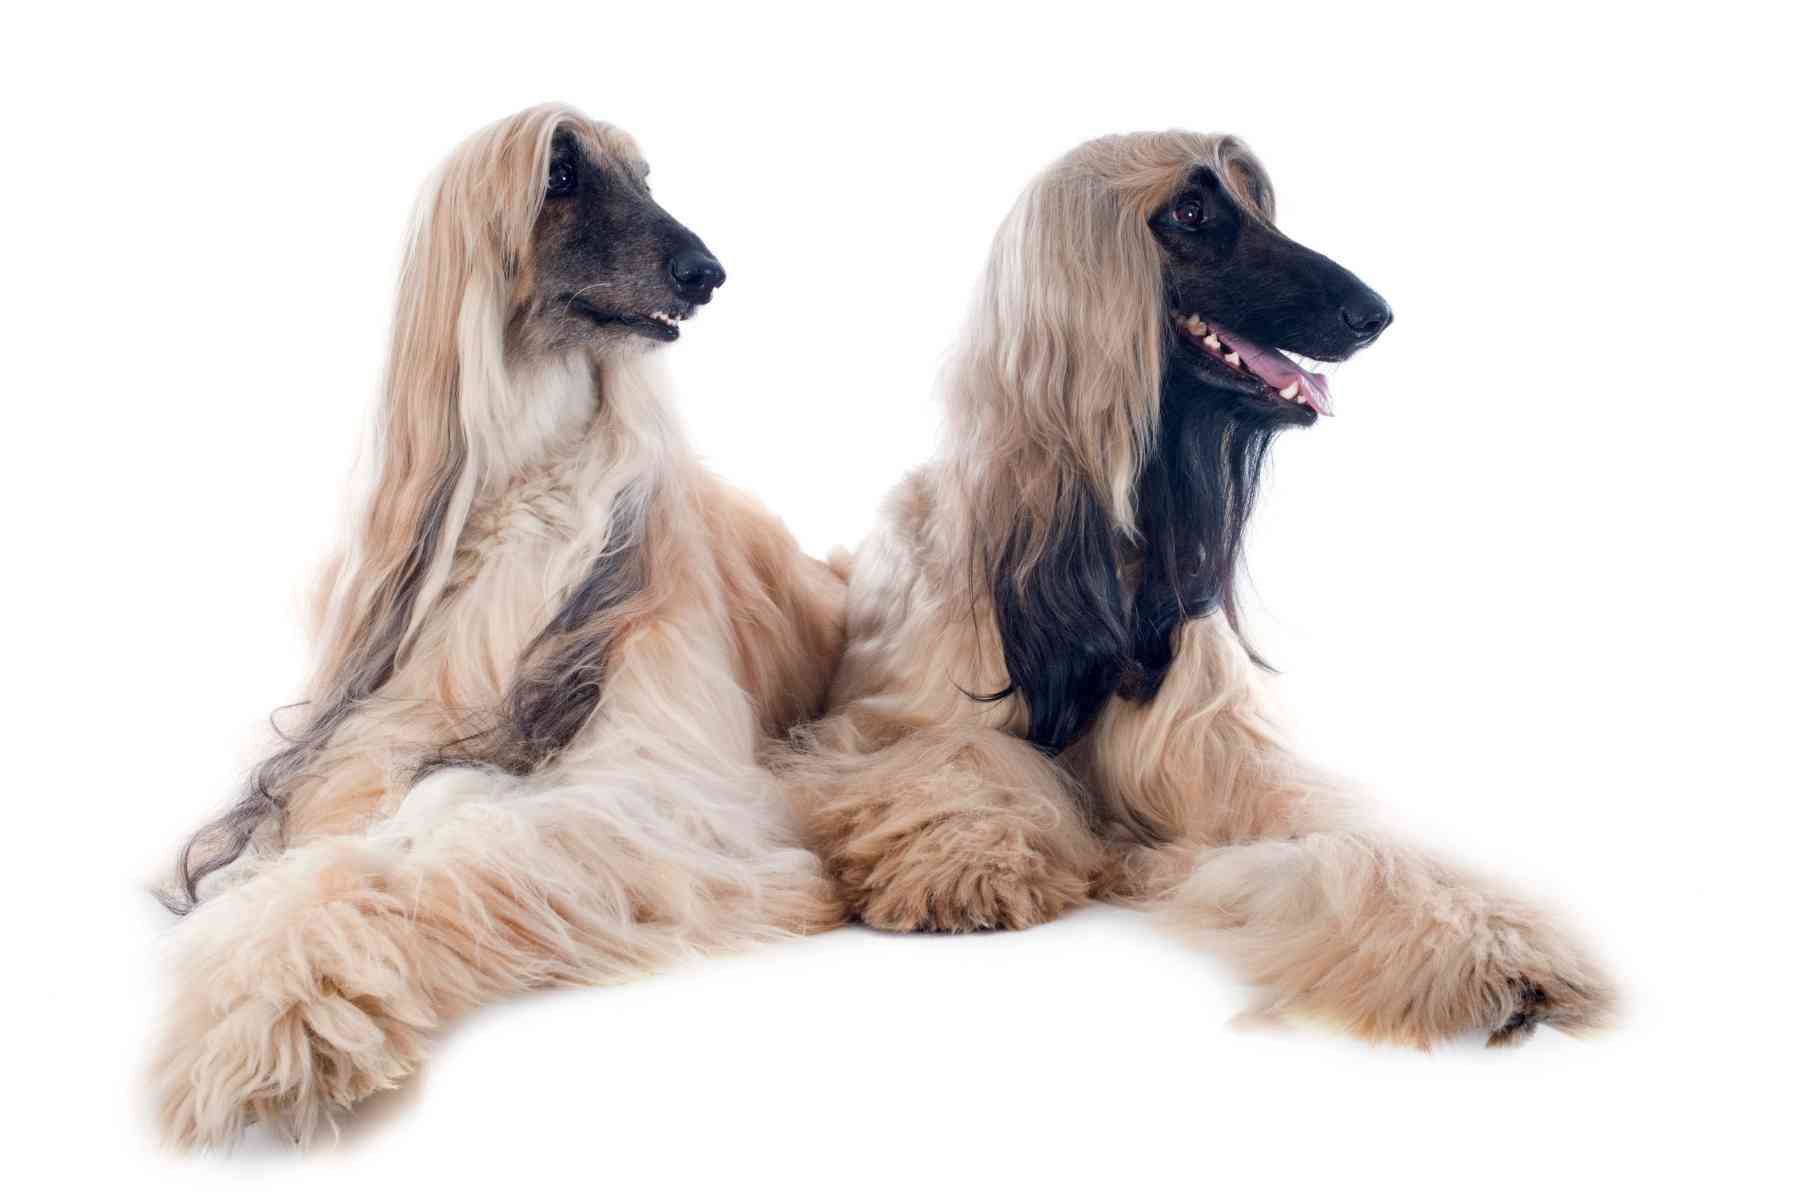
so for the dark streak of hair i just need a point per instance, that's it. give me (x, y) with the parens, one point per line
(1062, 624)
(1069, 639)
(266, 793)
(561, 675)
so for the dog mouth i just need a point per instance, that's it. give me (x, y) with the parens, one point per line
(1286, 377)
(662, 325)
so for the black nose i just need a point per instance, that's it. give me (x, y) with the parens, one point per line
(1367, 316)
(696, 273)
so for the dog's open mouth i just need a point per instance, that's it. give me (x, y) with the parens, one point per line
(1288, 377)
(663, 326)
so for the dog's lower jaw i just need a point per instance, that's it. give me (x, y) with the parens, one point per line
(1191, 377)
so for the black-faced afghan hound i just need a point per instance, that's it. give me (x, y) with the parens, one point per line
(1044, 697)
(549, 659)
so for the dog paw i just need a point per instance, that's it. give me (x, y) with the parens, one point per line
(965, 873)
(1503, 982)
(1391, 945)
(1555, 1002)
(293, 1066)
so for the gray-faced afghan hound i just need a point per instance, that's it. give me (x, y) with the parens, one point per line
(549, 659)
(1044, 697)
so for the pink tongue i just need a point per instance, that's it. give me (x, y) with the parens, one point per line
(1277, 371)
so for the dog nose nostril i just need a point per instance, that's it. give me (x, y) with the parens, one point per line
(1367, 317)
(695, 270)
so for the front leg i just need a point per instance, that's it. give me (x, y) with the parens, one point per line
(1269, 863)
(1386, 942)
(319, 980)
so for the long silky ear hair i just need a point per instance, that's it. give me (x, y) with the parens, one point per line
(1055, 401)
(445, 392)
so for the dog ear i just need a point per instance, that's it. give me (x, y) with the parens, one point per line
(1247, 177)
(1061, 619)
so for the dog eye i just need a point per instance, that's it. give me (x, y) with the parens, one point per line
(1188, 214)
(562, 178)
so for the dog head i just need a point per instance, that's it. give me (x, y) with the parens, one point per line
(1109, 283)
(1253, 313)
(606, 264)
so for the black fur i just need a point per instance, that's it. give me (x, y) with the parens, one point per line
(1232, 267)
(1063, 626)
(1195, 493)
(1070, 639)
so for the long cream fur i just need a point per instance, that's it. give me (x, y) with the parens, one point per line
(936, 813)
(371, 910)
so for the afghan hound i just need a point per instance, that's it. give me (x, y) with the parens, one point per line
(550, 659)
(1045, 696)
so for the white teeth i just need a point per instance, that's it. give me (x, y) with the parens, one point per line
(1233, 359)
(1310, 365)
(1195, 326)
(1291, 390)
(1212, 342)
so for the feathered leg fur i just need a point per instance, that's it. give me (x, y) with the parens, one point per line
(318, 981)
(1272, 865)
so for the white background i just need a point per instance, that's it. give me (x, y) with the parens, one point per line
(1533, 585)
